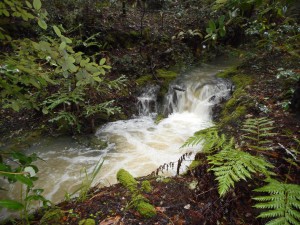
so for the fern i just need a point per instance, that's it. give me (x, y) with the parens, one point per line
(231, 165)
(259, 131)
(210, 140)
(282, 203)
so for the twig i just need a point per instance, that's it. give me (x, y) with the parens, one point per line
(289, 152)
(206, 191)
(166, 217)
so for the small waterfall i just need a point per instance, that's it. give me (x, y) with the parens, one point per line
(147, 101)
(196, 97)
(138, 145)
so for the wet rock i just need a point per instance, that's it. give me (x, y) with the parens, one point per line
(91, 141)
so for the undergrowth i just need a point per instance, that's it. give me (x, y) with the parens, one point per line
(230, 163)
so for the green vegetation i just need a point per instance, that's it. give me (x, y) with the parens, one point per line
(138, 201)
(282, 202)
(52, 216)
(236, 107)
(231, 164)
(87, 222)
(143, 80)
(75, 64)
(86, 183)
(127, 180)
(23, 171)
(145, 209)
(259, 130)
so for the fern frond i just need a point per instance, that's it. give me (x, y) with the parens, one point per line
(283, 202)
(210, 140)
(231, 166)
(258, 130)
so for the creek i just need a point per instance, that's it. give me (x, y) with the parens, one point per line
(139, 145)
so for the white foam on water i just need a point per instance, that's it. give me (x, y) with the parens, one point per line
(138, 145)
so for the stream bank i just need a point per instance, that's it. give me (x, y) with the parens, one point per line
(193, 198)
(259, 92)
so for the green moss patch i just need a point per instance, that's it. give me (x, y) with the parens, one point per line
(146, 186)
(236, 107)
(145, 209)
(166, 74)
(165, 77)
(139, 202)
(227, 73)
(127, 180)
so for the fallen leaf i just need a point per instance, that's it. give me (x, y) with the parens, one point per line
(111, 221)
(160, 209)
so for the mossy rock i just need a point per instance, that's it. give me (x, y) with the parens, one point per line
(165, 76)
(127, 180)
(159, 118)
(236, 107)
(236, 115)
(97, 143)
(145, 209)
(241, 80)
(234, 101)
(52, 216)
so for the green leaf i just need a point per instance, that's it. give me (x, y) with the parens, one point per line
(37, 4)
(282, 203)
(42, 23)
(222, 32)
(35, 198)
(209, 31)
(102, 61)
(98, 79)
(11, 204)
(212, 25)
(25, 180)
(45, 111)
(28, 4)
(57, 31)
(221, 20)
(65, 39)
(15, 106)
(62, 45)
(6, 13)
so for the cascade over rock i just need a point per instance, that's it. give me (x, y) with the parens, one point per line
(138, 145)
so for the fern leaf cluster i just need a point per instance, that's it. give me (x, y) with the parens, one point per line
(232, 165)
(282, 203)
(209, 139)
(259, 131)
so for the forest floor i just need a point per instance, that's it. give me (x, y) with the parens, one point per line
(193, 198)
